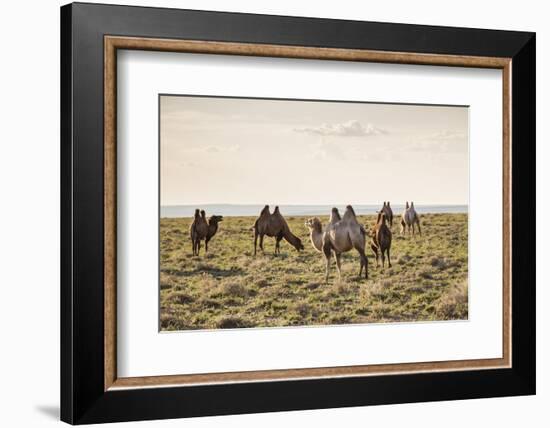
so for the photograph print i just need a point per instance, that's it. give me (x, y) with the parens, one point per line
(294, 213)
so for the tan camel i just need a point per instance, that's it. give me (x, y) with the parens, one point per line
(274, 225)
(342, 235)
(388, 211)
(409, 219)
(315, 233)
(202, 229)
(381, 239)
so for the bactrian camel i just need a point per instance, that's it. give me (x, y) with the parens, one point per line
(388, 211)
(275, 226)
(202, 229)
(381, 239)
(341, 234)
(409, 219)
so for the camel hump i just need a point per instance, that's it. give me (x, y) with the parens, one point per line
(276, 210)
(335, 215)
(350, 213)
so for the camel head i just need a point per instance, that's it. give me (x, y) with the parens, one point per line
(215, 219)
(314, 224)
(298, 244)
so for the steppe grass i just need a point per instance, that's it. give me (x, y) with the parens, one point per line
(231, 288)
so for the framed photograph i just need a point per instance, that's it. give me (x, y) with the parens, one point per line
(266, 213)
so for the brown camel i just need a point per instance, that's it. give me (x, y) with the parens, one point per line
(381, 239)
(409, 219)
(202, 229)
(388, 211)
(274, 225)
(343, 234)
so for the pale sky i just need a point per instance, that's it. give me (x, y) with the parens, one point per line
(251, 151)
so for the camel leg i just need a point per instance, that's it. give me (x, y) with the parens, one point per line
(278, 244)
(198, 246)
(375, 251)
(402, 227)
(364, 262)
(389, 261)
(383, 258)
(418, 225)
(338, 258)
(327, 253)
(262, 243)
(205, 246)
(255, 240)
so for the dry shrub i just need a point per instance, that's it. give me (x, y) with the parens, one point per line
(303, 309)
(261, 283)
(181, 298)
(312, 285)
(404, 259)
(259, 263)
(233, 289)
(425, 273)
(442, 263)
(232, 322)
(454, 303)
(210, 303)
(338, 288)
(376, 290)
(208, 282)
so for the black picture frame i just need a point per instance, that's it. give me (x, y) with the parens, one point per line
(83, 399)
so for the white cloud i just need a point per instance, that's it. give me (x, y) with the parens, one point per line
(351, 128)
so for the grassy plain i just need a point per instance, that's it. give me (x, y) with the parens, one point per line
(230, 288)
